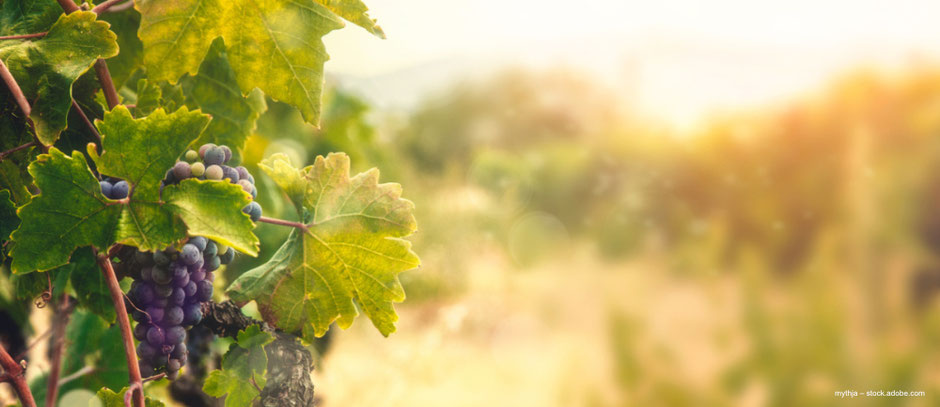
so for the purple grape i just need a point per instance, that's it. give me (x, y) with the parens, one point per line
(199, 241)
(190, 288)
(160, 258)
(146, 370)
(105, 188)
(156, 314)
(146, 274)
(230, 173)
(155, 336)
(180, 272)
(172, 365)
(204, 293)
(196, 266)
(214, 156)
(242, 172)
(246, 186)
(175, 335)
(160, 302)
(119, 190)
(173, 315)
(140, 331)
(162, 275)
(162, 290)
(189, 254)
(145, 293)
(192, 313)
(178, 297)
(181, 283)
(197, 276)
(146, 351)
(179, 351)
(141, 317)
(181, 170)
(228, 153)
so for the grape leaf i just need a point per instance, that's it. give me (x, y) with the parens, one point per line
(8, 219)
(351, 250)
(28, 16)
(70, 212)
(139, 151)
(111, 399)
(274, 45)
(214, 209)
(215, 91)
(53, 62)
(245, 360)
(355, 12)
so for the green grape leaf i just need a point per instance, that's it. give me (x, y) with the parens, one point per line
(139, 151)
(149, 95)
(351, 250)
(70, 212)
(214, 209)
(111, 399)
(274, 45)
(28, 16)
(215, 91)
(53, 62)
(245, 360)
(8, 219)
(355, 12)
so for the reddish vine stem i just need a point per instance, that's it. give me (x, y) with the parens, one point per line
(14, 89)
(117, 297)
(24, 36)
(60, 322)
(106, 5)
(15, 374)
(17, 148)
(68, 5)
(87, 121)
(282, 222)
(107, 84)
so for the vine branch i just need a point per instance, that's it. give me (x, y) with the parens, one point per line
(17, 148)
(15, 374)
(87, 121)
(21, 101)
(59, 323)
(106, 5)
(101, 67)
(282, 222)
(117, 297)
(24, 36)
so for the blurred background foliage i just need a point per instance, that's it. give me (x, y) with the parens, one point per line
(577, 254)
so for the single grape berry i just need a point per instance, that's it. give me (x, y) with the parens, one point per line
(156, 314)
(119, 190)
(214, 172)
(174, 314)
(212, 263)
(192, 313)
(228, 256)
(242, 172)
(214, 156)
(178, 297)
(155, 336)
(146, 369)
(190, 288)
(162, 290)
(204, 148)
(230, 173)
(246, 186)
(228, 153)
(181, 170)
(161, 275)
(105, 188)
(191, 155)
(160, 258)
(197, 169)
(146, 351)
(253, 209)
(211, 249)
(140, 332)
(189, 254)
(204, 293)
(175, 335)
(197, 276)
(179, 351)
(199, 241)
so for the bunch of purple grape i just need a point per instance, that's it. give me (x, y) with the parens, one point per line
(213, 167)
(167, 297)
(114, 188)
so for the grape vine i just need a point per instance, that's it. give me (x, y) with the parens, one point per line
(122, 125)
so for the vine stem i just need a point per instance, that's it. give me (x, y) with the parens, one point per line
(282, 222)
(60, 322)
(86, 120)
(117, 297)
(14, 373)
(24, 36)
(20, 100)
(106, 5)
(17, 148)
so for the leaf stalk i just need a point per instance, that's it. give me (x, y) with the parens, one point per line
(117, 297)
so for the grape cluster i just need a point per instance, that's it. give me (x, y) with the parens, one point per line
(212, 167)
(167, 295)
(114, 188)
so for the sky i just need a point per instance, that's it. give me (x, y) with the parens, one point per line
(676, 60)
